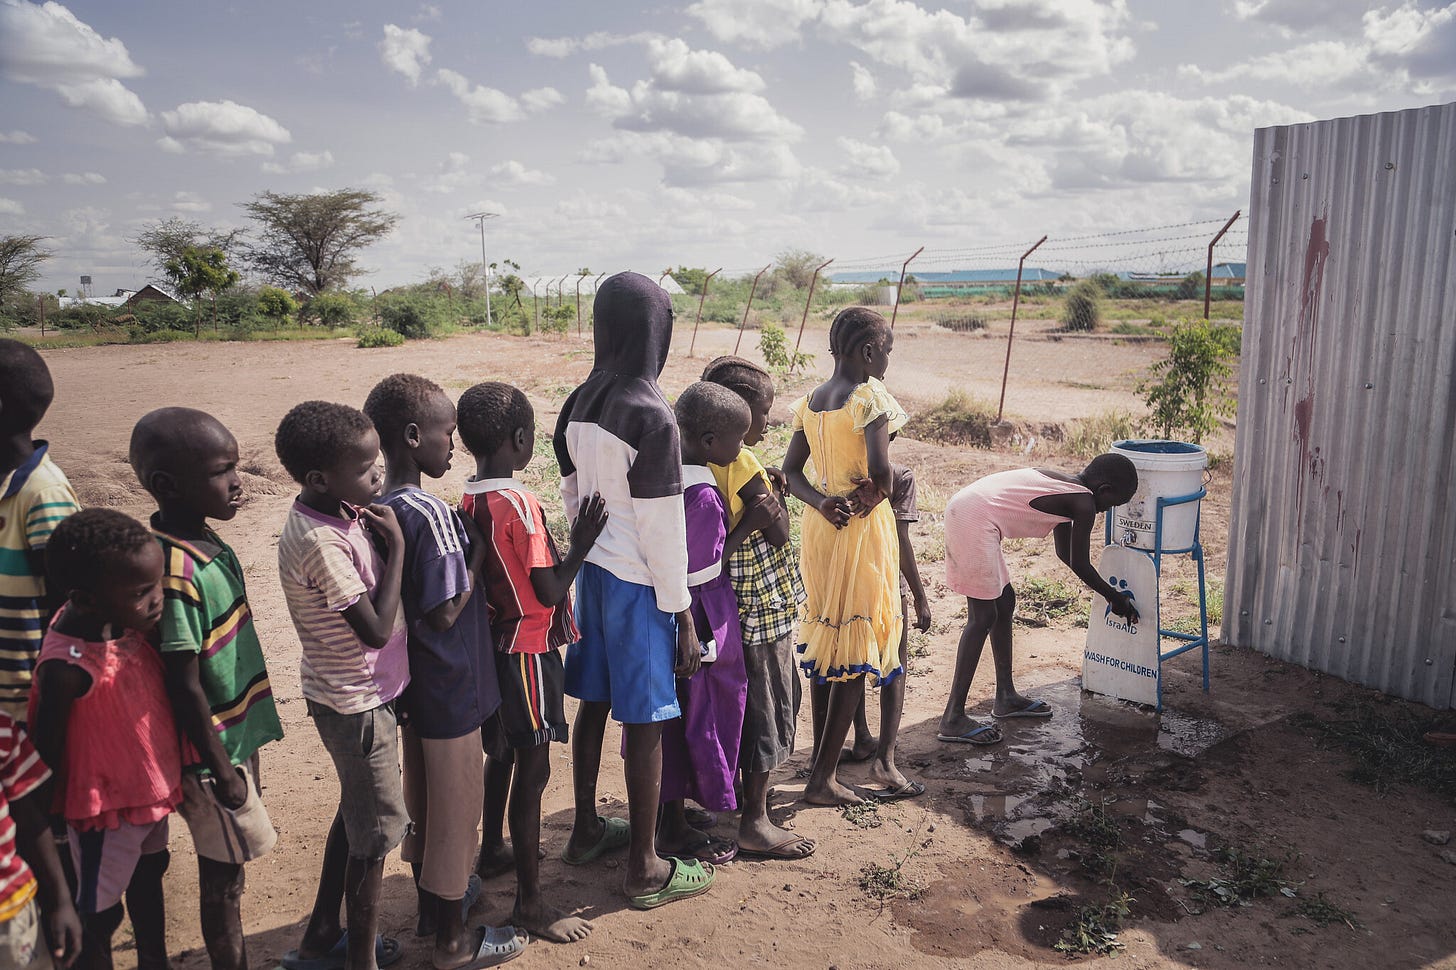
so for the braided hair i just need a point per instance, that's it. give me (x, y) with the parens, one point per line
(745, 378)
(853, 327)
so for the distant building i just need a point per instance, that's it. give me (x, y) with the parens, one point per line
(151, 293)
(967, 279)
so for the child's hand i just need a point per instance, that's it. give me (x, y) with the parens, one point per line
(380, 520)
(922, 614)
(63, 927)
(777, 480)
(473, 536)
(866, 495)
(689, 651)
(1122, 605)
(836, 509)
(764, 512)
(591, 519)
(231, 790)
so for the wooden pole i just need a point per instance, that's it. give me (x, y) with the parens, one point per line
(751, 291)
(1011, 335)
(805, 318)
(692, 344)
(900, 286)
(1208, 273)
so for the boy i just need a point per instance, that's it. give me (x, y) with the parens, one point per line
(452, 689)
(528, 586)
(892, 695)
(34, 496)
(216, 675)
(30, 869)
(344, 601)
(617, 437)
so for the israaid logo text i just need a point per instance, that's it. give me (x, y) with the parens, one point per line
(1124, 665)
(1112, 620)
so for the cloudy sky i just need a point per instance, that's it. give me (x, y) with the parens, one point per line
(714, 133)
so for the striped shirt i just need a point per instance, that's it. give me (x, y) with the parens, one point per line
(325, 564)
(21, 772)
(205, 611)
(33, 500)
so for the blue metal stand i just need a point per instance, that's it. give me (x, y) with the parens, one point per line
(1190, 641)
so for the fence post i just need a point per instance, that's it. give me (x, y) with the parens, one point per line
(535, 304)
(596, 285)
(579, 278)
(1208, 272)
(813, 281)
(692, 344)
(751, 291)
(40, 304)
(901, 285)
(1011, 335)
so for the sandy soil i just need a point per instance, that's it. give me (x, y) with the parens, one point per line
(1225, 768)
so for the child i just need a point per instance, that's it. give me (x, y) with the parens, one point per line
(33, 889)
(102, 717)
(1025, 503)
(344, 600)
(892, 695)
(528, 585)
(221, 696)
(765, 577)
(34, 497)
(851, 623)
(616, 436)
(700, 750)
(452, 689)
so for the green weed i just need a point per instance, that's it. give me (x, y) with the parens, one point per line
(1385, 738)
(1244, 876)
(1322, 912)
(865, 815)
(1090, 437)
(1041, 602)
(959, 419)
(1096, 927)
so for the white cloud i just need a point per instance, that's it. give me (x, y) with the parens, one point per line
(677, 67)
(1321, 64)
(83, 178)
(189, 202)
(559, 47)
(17, 137)
(302, 162)
(405, 51)
(512, 172)
(1423, 42)
(688, 161)
(221, 127)
(867, 161)
(1291, 16)
(9, 207)
(483, 105)
(47, 46)
(22, 176)
(428, 11)
(755, 23)
(863, 81)
(540, 99)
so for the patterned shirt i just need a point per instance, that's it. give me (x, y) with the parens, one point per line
(21, 772)
(769, 589)
(205, 611)
(903, 505)
(33, 500)
(325, 564)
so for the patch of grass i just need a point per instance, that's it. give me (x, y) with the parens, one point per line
(1094, 825)
(1385, 738)
(865, 815)
(889, 882)
(371, 337)
(1041, 602)
(919, 644)
(1322, 912)
(1244, 876)
(959, 419)
(1090, 437)
(1129, 329)
(1096, 927)
(961, 322)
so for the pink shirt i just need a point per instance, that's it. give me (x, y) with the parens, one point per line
(123, 759)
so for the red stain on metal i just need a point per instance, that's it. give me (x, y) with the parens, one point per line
(1300, 367)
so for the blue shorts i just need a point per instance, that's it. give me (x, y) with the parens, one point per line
(627, 651)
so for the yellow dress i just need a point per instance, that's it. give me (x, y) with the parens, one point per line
(851, 622)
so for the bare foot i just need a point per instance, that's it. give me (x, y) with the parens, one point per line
(887, 774)
(495, 860)
(832, 794)
(1010, 702)
(862, 750)
(550, 923)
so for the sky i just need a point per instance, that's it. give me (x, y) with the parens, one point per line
(715, 133)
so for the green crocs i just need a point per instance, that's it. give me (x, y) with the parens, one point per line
(616, 833)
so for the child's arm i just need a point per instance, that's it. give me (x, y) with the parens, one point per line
(877, 450)
(835, 508)
(772, 521)
(910, 569)
(373, 620)
(1073, 541)
(443, 616)
(36, 845)
(59, 685)
(194, 717)
(551, 583)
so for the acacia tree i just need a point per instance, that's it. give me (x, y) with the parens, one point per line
(199, 271)
(165, 241)
(310, 242)
(20, 259)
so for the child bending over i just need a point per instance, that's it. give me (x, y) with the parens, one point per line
(528, 584)
(102, 717)
(1022, 504)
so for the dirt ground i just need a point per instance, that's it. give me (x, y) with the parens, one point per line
(1008, 843)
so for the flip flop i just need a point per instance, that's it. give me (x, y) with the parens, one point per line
(498, 944)
(387, 952)
(700, 818)
(1441, 739)
(616, 833)
(689, 878)
(911, 789)
(1034, 709)
(973, 736)
(780, 852)
(716, 852)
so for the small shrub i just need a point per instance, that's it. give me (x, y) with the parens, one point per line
(1095, 928)
(1187, 393)
(1082, 312)
(961, 322)
(329, 310)
(886, 882)
(276, 305)
(1244, 876)
(865, 815)
(1190, 287)
(774, 345)
(379, 337)
(957, 420)
(1090, 437)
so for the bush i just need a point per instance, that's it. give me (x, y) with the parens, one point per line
(157, 316)
(329, 310)
(276, 305)
(1083, 310)
(1188, 392)
(773, 344)
(1190, 287)
(371, 337)
(957, 420)
(1090, 437)
(961, 322)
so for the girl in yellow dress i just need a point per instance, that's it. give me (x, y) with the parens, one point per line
(850, 623)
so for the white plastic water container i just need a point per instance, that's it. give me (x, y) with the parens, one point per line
(1166, 469)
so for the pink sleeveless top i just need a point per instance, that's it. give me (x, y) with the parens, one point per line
(123, 758)
(1003, 501)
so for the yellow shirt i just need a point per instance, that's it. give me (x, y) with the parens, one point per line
(731, 478)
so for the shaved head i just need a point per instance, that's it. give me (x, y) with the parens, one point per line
(168, 439)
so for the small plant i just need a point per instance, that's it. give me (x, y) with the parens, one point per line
(961, 322)
(958, 419)
(1244, 876)
(890, 882)
(1083, 309)
(773, 344)
(371, 337)
(1040, 602)
(1322, 912)
(1090, 437)
(1386, 740)
(865, 815)
(1095, 928)
(1187, 392)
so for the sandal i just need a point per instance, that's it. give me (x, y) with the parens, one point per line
(616, 833)
(788, 850)
(689, 878)
(387, 952)
(498, 944)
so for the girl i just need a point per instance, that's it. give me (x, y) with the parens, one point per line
(850, 624)
(104, 722)
(1025, 503)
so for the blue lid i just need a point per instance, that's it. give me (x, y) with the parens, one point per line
(1159, 447)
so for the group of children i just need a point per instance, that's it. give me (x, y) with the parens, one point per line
(431, 641)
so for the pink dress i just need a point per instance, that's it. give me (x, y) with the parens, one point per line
(123, 758)
(988, 510)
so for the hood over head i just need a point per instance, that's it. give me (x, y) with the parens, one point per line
(632, 326)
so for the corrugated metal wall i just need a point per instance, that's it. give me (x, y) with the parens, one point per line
(1342, 545)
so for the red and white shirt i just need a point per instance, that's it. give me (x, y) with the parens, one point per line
(21, 772)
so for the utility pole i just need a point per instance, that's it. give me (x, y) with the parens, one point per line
(480, 217)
